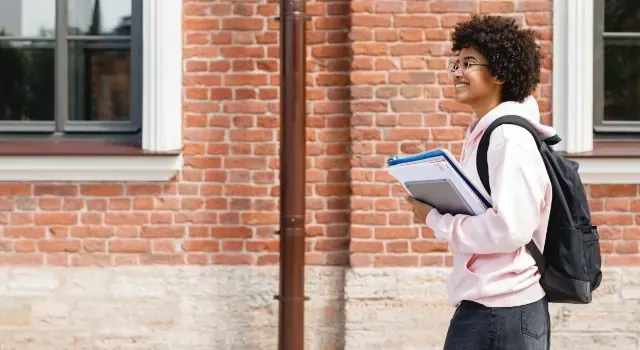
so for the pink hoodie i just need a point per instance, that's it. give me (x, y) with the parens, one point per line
(492, 266)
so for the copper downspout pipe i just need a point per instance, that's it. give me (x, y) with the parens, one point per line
(292, 174)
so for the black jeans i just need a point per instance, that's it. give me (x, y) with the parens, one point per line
(477, 327)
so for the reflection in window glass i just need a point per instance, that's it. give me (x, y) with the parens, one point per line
(99, 87)
(622, 80)
(27, 18)
(622, 16)
(27, 81)
(95, 17)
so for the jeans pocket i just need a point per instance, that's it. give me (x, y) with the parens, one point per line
(534, 321)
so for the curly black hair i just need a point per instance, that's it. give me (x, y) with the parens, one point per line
(512, 53)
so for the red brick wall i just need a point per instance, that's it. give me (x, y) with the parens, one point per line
(223, 208)
(403, 103)
(376, 88)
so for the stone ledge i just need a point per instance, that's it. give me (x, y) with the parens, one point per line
(231, 307)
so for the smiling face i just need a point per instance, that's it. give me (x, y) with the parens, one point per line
(474, 84)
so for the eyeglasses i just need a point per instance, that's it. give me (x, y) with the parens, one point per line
(453, 67)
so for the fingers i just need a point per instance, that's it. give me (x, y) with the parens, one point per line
(411, 200)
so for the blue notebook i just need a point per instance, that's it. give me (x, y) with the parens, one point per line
(436, 178)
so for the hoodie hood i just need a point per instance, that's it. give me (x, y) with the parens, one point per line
(527, 109)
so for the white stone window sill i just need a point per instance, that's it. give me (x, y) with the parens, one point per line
(609, 170)
(90, 168)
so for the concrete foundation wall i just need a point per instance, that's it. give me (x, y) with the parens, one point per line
(191, 307)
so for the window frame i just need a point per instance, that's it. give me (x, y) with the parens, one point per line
(573, 98)
(606, 129)
(61, 125)
(159, 155)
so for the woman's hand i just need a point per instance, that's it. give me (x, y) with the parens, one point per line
(420, 210)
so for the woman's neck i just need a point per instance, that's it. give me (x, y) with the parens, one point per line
(485, 105)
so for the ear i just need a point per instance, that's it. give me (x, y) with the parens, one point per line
(498, 81)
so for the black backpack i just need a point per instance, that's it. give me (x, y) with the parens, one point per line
(570, 267)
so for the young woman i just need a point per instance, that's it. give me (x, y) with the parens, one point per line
(494, 282)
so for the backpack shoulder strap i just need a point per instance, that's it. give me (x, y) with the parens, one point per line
(483, 167)
(483, 147)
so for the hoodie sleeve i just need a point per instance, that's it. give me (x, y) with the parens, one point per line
(517, 195)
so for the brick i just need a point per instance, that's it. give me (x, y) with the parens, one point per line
(67, 246)
(452, 106)
(394, 233)
(612, 219)
(630, 247)
(201, 245)
(416, 21)
(450, 21)
(617, 205)
(411, 35)
(366, 20)
(360, 64)
(538, 19)
(412, 78)
(242, 51)
(245, 79)
(385, 64)
(386, 93)
(388, 35)
(332, 79)
(55, 190)
(535, 5)
(195, 23)
(436, 35)
(233, 259)
(622, 260)
(332, 23)
(239, 23)
(19, 246)
(497, 7)
(413, 106)
(418, 6)
(449, 6)
(129, 246)
(94, 246)
(367, 247)
(429, 246)
(598, 191)
(416, 49)
(162, 232)
(390, 6)
(332, 51)
(397, 247)
(370, 49)
(56, 218)
(359, 34)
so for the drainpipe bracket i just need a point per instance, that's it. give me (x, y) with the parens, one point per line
(290, 299)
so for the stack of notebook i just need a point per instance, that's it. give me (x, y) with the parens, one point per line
(436, 178)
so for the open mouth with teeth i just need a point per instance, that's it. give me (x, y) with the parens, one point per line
(461, 85)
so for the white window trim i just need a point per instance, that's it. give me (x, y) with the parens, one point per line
(573, 94)
(161, 116)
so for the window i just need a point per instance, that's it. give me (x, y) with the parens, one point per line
(70, 67)
(78, 73)
(616, 68)
(589, 111)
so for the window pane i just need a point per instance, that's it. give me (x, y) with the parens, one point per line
(95, 17)
(99, 87)
(27, 18)
(26, 81)
(622, 16)
(622, 80)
